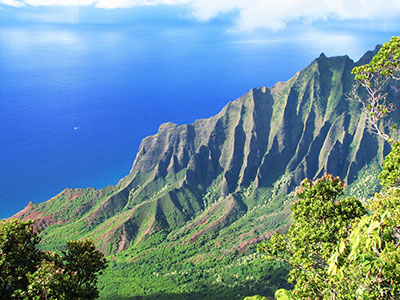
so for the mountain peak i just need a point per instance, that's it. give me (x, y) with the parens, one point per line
(366, 58)
(258, 147)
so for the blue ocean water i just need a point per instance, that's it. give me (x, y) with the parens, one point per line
(76, 100)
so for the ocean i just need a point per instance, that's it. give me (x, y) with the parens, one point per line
(76, 100)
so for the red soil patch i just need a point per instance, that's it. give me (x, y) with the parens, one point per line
(99, 193)
(140, 256)
(74, 196)
(46, 221)
(229, 201)
(31, 212)
(123, 241)
(255, 240)
(197, 259)
(26, 211)
(150, 228)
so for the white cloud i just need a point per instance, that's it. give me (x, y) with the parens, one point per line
(59, 2)
(275, 15)
(253, 14)
(205, 10)
(110, 4)
(13, 3)
(123, 3)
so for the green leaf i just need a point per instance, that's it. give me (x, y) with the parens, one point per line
(342, 246)
(332, 269)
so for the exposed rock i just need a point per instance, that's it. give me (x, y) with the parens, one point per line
(183, 175)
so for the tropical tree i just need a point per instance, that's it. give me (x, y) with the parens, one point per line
(83, 263)
(336, 248)
(320, 220)
(29, 273)
(366, 264)
(19, 255)
(371, 88)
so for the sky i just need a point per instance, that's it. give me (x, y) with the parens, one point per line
(266, 38)
(242, 15)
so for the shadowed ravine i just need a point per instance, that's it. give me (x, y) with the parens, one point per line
(219, 185)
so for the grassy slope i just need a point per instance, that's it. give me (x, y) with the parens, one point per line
(184, 222)
(218, 265)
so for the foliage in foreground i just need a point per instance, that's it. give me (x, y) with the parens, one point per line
(29, 273)
(336, 248)
(320, 221)
(367, 263)
(371, 88)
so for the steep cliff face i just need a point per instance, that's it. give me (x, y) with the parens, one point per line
(305, 126)
(216, 170)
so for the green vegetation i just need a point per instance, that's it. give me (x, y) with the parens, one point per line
(336, 248)
(184, 222)
(171, 264)
(320, 221)
(374, 79)
(28, 273)
(366, 264)
(257, 297)
(158, 269)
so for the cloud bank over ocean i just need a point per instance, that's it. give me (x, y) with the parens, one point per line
(250, 14)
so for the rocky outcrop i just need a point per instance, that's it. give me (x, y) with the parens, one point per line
(181, 175)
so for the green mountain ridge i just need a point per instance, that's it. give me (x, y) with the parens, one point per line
(221, 184)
